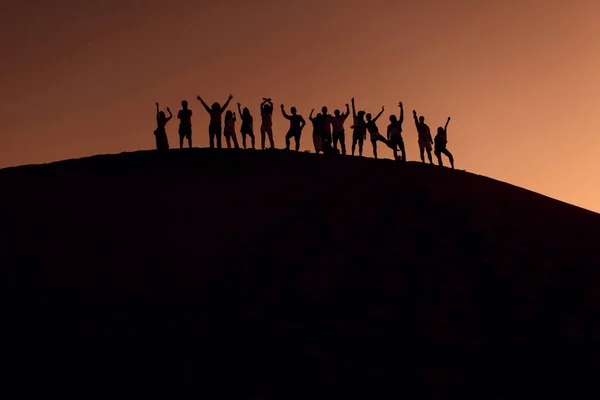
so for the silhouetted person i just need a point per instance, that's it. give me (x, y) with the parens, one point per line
(394, 134)
(216, 113)
(297, 123)
(360, 129)
(316, 135)
(441, 139)
(162, 142)
(374, 132)
(229, 130)
(266, 127)
(326, 121)
(339, 134)
(425, 140)
(185, 124)
(247, 125)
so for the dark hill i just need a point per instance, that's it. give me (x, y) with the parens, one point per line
(274, 273)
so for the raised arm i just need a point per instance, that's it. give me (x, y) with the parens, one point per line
(353, 109)
(170, 114)
(226, 103)
(239, 108)
(206, 107)
(283, 112)
(311, 113)
(416, 118)
(157, 112)
(401, 120)
(378, 115)
(347, 111)
(446, 126)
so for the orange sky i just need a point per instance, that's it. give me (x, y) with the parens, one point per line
(519, 78)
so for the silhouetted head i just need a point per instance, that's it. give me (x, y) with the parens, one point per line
(228, 115)
(319, 115)
(337, 113)
(246, 112)
(324, 110)
(421, 119)
(268, 108)
(393, 118)
(368, 116)
(216, 106)
(360, 114)
(184, 104)
(440, 130)
(293, 110)
(162, 115)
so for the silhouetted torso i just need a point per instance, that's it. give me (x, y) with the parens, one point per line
(316, 122)
(215, 116)
(295, 122)
(395, 129)
(246, 123)
(360, 127)
(326, 124)
(229, 126)
(372, 127)
(337, 122)
(424, 132)
(185, 117)
(267, 118)
(441, 138)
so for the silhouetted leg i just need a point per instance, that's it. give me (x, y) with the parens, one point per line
(429, 156)
(401, 144)
(422, 154)
(360, 146)
(228, 140)
(181, 137)
(270, 132)
(343, 142)
(190, 140)
(212, 139)
(219, 140)
(244, 140)
(252, 137)
(354, 141)
(287, 140)
(439, 158)
(335, 140)
(449, 155)
(235, 142)
(297, 142)
(374, 143)
(262, 137)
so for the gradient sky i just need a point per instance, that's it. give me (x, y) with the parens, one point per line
(520, 79)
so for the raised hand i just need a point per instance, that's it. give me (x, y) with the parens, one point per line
(199, 98)
(400, 104)
(230, 97)
(156, 104)
(448, 118)
(382, 108)
(239, 105)
(414, 112)
(168, 109)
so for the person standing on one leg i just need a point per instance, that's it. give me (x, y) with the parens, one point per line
(394, 134)
(441, 140)
(162, 142)
(247, 125)
(359, 129)
(297, 123)
(185, 124)
(230, 129)
(339, 134)
(316, 135)
(425, 140)
(216, 114)
(266, 127)
(374, 132)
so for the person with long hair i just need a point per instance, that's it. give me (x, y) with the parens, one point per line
(216, 113)
(247, 128)
(441, 140)
(160, 133)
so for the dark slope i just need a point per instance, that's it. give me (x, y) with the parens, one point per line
(273, 272)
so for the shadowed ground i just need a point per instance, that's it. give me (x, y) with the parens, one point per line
(275, 273)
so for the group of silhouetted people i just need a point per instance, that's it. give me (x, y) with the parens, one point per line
(328, 130)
